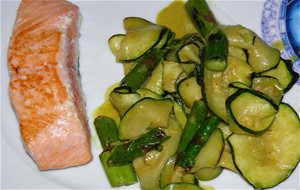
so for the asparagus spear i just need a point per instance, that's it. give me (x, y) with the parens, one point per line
(141, 72)
(108, 134)
(194, 122)
(126, 153)
(215, 53)
(107, 131)
(187, 158)
(201, 15)
(118, 175)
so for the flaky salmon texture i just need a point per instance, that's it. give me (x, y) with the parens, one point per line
(45, 87)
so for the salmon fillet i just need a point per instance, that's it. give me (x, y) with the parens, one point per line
(45, 88)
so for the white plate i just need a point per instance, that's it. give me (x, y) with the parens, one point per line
(101, 19)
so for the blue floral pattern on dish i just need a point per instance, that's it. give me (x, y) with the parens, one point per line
(281, 24)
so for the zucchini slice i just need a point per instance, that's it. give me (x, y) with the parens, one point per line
(226, 160)
(150, 166)
(262, 57)
(269, 86)
(154, 83)
(284, 73)
(141, 36)
(179, 114)
(114, 43)
(189, 52)
(267, 160)
(239, 36)
(144, 114)
(182, 186)
(238, 53)
(171, 73)
(215, 88)
(173, 173)
(210, 154)
(190, 91)
(206, 174)
(251, 110)
(123, 100)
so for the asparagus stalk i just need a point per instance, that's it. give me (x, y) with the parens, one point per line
(107, 131)
(118, 175)
(126, 153)
(141, 72)
(201, 16)
(194, 122)
(187, 158)
(108, 134)
(216, 51)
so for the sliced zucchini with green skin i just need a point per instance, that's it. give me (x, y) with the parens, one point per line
(190, 91)
(269, 86)
(238, 85)
(262, 57)
(206, 174)
(164, 39)
(284, 73)
(114, 43)
(155, 81)
(179, 114)
(135, 23)
(173, 49)
(171, 73)
(266, 160)
(239, 36)
(226, 160)
(210, 154)
(251, 110)
(225, 129)
(141, 36)
(147, 93)
(122, 101)
(149, 167)
(172, 173)
(237, 53)
(144, 114)
(188, 67)
(189, 52)
(215, 88)
(182, 186)
(237, 71)
(213, 92)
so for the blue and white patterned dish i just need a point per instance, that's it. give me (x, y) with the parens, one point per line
(281, 27)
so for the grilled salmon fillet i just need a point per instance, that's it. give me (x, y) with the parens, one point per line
(45, 88)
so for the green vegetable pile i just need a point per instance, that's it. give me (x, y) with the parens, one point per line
(194, 106)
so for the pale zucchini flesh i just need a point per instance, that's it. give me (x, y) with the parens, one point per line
(146, 113)
(190, 91)
(206, 174)
(210, 154)
(251, 111)
(269, 86)
(150, 166)
(270, 158)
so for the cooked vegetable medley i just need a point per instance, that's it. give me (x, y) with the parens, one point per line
(192, 106)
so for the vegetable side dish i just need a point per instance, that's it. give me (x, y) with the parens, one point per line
(194, 103)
